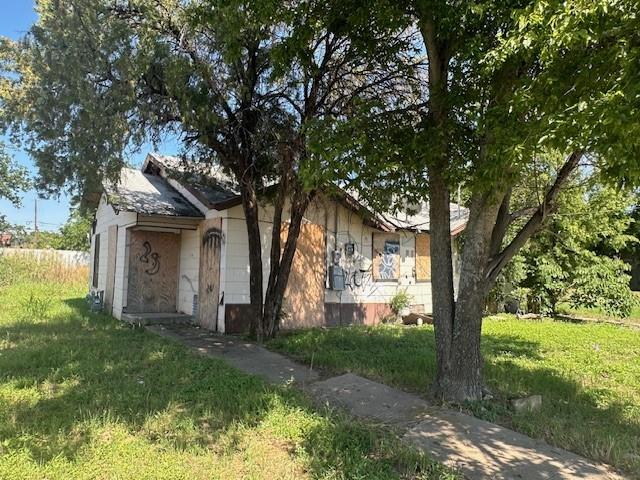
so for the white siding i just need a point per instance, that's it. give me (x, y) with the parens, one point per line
(106, 216)
(236, 255)
(122, 271)
(189, 264)
(348, 228)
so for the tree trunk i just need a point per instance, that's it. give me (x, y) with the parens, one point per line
(463, 381)
(281, 262)
(250, 208)
(442, 293)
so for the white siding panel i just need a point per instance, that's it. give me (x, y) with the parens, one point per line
(119, 290)
(348, 227)
(106, 216)
(189, 265)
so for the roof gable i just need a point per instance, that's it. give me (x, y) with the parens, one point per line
(149, 195)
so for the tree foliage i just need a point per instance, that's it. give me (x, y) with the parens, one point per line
(13, 178)
(240, 82)
(504, 82)
(576, 257)
(75, 233)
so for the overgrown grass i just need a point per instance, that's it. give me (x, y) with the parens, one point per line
(83, 397)
(588, 375)
(598, 314)
(20, 267)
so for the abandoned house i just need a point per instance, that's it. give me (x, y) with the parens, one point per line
(166, 248)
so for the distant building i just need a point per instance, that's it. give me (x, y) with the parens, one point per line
(5, 239)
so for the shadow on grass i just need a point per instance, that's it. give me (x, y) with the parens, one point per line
(69, 374)
(584, 420)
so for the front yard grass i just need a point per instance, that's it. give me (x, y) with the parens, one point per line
(83, 397)
(588, 375)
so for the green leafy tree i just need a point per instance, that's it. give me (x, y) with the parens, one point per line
(504, 82)
(44, 239)
(14, 179)
(239, 81)
(75, 233)
(576, 256)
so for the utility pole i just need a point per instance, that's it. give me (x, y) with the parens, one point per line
(35, 223)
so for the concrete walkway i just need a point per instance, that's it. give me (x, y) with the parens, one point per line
(479, 449)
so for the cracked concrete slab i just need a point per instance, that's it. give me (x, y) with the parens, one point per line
(483, 450)
(479, 449)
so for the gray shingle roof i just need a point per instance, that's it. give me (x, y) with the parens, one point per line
(209, 184)
(420, 221)
(217, 190)
(148, 195)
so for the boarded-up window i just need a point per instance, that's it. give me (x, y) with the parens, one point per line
(423, 257)
(96, 260)
(386, 256)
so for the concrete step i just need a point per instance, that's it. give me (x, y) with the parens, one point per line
(143, 319)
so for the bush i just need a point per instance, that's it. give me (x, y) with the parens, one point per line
(400, 301)
(604, 287)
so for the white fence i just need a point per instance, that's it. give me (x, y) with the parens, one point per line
(70, 258)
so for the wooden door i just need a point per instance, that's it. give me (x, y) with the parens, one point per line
(153, 272)
(209, 278)
(304, 296)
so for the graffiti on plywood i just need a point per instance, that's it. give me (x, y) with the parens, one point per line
(155, 259)
(387, 267)
(212, 238)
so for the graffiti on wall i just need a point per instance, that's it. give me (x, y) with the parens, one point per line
(150, 257)
(387, 267)
(358, 272)
(212, 238)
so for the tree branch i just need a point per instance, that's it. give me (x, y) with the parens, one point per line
(502, 223)
(548, 205)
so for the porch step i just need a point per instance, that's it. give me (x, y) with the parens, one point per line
(142, 319)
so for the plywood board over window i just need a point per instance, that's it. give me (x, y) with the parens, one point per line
(304, 295)
(153, 272)
(386, 256)
(423, 257)
(209, 283)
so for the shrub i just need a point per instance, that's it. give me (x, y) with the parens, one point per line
(400, 301)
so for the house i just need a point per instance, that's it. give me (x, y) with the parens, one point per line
(162, 246)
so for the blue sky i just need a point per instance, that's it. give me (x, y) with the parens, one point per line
(17, 16)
